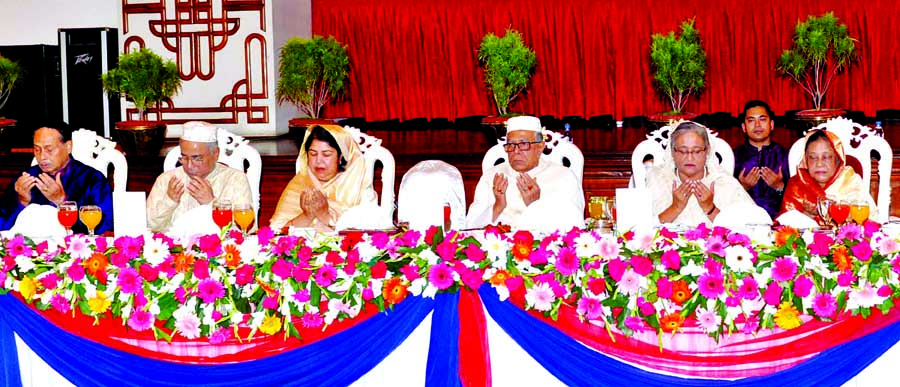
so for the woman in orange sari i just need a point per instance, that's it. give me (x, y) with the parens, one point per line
(823, 172)
(331, 179)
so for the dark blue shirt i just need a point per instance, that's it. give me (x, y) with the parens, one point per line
(83, 184)
(775, 157)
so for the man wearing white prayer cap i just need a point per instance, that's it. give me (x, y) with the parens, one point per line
(529, 192)
(199, 181)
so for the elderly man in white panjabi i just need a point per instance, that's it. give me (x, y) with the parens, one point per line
(690, 188)
(530, 191)
(180, 200)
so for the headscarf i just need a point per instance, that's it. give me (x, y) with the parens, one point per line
(344, 190)
(803, 192)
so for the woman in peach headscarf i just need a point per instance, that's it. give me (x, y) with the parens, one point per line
(823, 172)
(331, 179)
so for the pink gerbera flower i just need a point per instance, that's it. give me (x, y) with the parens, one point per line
(311, 320)
(784, 269)
(567, 262)
(590, 308)
(715, 245)
(188, 326)
(749, 288)
(129, 247)
(711, 285)
(824, 305)
(671, 259)
(141, 320)
(540, 297)
(220, 335)
(17, 247)
(630, 284)
(130, 281)
(635, 323)
(60, 303)
(708, 320)
(441, 276)
(326, 275)
(210, 290)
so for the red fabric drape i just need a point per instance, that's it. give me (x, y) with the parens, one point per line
(417, 58)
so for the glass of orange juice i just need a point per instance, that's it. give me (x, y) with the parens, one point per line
(859, 211)
(243, 216)
(90, 216)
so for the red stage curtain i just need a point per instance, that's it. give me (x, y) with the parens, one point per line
(417, 58)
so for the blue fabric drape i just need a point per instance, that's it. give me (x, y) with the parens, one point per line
(577, 365)
(9, 373)
(443, 349)
(336, 361)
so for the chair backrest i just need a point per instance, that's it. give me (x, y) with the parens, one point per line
(236, 152)
(859, 142)
(556, 147)
(424, 191)
(373, 152)
(656, 146)
(97, 152)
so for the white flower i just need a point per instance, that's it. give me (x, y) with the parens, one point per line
(251, 252)
(495, 248)
(502, 292)
(237, 318)
(79, 247)
(642, 240)
(692, 269)
(738, 258)
(540, 297)
(366, 251)
(155, 251)
(609, 247)
(256, 319)
(586, 245)
(126, 312)
(864, 297)
(429, 256)
(417, 286)
(816, 264)
(154, 309)
(24, 263)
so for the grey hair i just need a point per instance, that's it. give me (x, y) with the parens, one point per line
(689, 127)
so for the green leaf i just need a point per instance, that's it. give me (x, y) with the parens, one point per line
(144, 77)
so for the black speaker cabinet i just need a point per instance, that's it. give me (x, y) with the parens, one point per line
(38, 98)
(86, 54)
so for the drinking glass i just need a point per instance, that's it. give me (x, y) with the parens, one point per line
(610, 209)
(67, 213)
(243, 216)
(839, 211)
(90, 216)
(222, 213)
(859, 211)
(596, 207)
(824, 206)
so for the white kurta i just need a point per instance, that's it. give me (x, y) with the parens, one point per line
(560, 207)
(227, 184)
(734, 204)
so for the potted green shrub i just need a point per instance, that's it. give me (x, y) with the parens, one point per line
(312, 72)
(10, 75)
(822, 48)
(144, 78)
(508, 66)
(678, 64)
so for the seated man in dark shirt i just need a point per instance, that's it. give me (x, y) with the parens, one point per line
(760, 164)
(56, 178)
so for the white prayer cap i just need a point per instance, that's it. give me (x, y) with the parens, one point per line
(529, 123)
(199, 131)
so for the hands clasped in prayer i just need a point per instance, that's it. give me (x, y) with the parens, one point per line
(750, 177)
(199, 188)
(681, 194)
(314, 205)
(528, 188)
(51, 187)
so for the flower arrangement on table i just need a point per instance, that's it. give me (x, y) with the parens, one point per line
(210, 286)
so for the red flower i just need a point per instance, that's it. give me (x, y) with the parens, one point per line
(394, 291)
(680, 292)
(379, 270)
(671, 322)
(96, 264)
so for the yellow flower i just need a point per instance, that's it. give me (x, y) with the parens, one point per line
(99, 303)
(787, 316)
(271, 325)
(28, 287)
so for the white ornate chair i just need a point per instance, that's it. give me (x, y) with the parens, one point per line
(373, 152)
(236, 152)
(859, 142)
(657, 146)
(98, 153)
(556, 147)
(425, 189)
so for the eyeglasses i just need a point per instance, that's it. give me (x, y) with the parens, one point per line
(690, 152)
(193, 159)
(523, 146)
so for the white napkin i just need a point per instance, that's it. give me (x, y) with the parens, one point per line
(737, 217)
(368, 216)
(197, 221)
(38, 221)
(797, 219)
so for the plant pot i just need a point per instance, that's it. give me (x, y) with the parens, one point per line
(495, 125)
(297, 127)
(665, 118)
(816, 117)
(141, 138)
(7, 127)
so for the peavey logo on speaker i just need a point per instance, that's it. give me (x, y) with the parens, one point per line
(83, 58)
